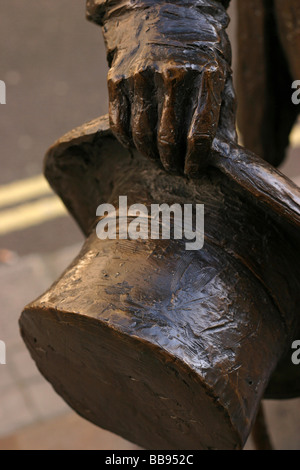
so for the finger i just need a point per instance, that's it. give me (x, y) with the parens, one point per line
(171, 136)
(204, 122)
(119, 111)
(144, 115)
(227, 122)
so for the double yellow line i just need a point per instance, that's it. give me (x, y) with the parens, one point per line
(25, 213)
(46, 205)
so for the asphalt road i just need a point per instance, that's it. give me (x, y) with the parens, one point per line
(53, 63)
(54, 66)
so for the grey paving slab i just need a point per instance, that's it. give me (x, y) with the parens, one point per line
(20, 364)
(25, 396)
(45, 402)
(283, 419)
(7, 378)
(20, 283)
(14, 410)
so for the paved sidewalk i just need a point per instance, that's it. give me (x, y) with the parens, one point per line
(65, 432)
(26, 397)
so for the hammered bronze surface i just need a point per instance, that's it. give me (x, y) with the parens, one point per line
(174, 349)
(169, 348)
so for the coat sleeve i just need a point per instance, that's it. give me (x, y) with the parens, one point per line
(96, 9)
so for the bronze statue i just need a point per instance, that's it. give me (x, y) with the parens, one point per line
(169, 348)
(169, 82)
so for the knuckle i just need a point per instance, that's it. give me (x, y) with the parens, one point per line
(199, 142)
(213, 68)
(114, 80)
(202, 138)
(144, 72)
(173, 72)
(176, 74)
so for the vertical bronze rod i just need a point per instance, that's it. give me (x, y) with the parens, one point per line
(260, 434)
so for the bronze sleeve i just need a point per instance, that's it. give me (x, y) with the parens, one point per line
(97, 10)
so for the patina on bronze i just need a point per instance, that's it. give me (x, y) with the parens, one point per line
(169, 81)
(171, 349)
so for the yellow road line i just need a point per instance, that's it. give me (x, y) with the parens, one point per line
(48, 208)
(28, 215)
(20, 191)
(295, 137)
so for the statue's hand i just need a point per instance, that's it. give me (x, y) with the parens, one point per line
(170, 88)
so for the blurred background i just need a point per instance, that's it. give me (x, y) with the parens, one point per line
(53, 63)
